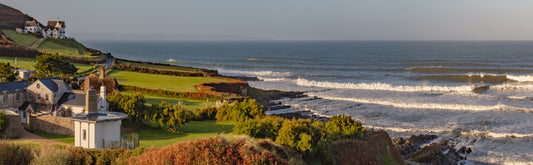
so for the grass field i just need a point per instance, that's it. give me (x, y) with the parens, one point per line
(27, 63)
(191, 130)
(190, 104)
(158, 67)
(20, 39)
(157, 81)
(56, 137)
(22, 62)
(68, 48)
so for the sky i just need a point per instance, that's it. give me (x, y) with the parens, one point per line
(288, 19)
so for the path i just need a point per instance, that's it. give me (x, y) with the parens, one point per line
(37, 43)
(25, 136)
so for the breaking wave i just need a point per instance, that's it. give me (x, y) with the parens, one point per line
(254, 73)
(384, 86)
(414, 105)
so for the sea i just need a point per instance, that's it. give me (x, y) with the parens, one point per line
(477, 94)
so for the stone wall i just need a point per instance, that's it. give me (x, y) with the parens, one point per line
(52, 124)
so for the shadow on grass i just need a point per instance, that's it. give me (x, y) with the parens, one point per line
(151, 135)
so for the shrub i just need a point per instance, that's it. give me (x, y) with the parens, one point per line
(11, 153)
(266, 127)
(213, 151)
(132, 105)
(4, 121)
(50, 155)
(344, 127)
(208, 113)
(240, 111)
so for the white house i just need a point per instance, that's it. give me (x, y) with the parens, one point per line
(96, 129)
(24, 73)
(54, 29)
(32, 27)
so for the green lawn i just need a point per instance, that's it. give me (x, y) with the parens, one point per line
(159, 67)
(20, 39)
(57, 137)
(68, 48)
(27, 63)
(158, 81)
(22, 62)
(190, 104)
(191, 130)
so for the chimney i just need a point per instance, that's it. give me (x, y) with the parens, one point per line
(102, 73)
(91, 101)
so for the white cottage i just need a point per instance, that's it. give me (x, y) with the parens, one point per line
(54, 29)
(96, 129)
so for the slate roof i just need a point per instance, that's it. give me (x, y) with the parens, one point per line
(75, 99)
(53, 84)
(11, 87)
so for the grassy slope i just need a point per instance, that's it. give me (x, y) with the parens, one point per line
(20, 39)
(66, 47)
(190, 104)
(165, 82)
(57, 137)
(158, 67)
(190, 131)
(27, 63)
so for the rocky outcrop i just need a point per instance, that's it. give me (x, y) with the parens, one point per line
(377, 148)
(439, 153)
(413, 143)
(435, 153)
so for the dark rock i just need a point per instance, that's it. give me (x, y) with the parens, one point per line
(465, 150)
(481, 89)
(398, 141)
(412, 144)
(438, 153)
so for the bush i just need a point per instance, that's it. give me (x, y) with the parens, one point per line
(266, 127)
(50, 155)
(240, 111)
(4, 121)
(132, 105)
(169, 117)
(344, 127)
(208, 113)
(11, 153)
(213, 151)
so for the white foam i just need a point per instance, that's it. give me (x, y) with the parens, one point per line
(254, 73)
(521, 78)
(496, 134)
(425, 105)
(171, 60)
(385, 87)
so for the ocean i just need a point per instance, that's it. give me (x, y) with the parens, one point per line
(477, 94)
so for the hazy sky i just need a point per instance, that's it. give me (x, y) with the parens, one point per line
(289, 19)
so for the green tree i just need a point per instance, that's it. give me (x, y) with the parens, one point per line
(6, 72)
(170, 117)
(4, 121)
(49, 65)
(132, 105)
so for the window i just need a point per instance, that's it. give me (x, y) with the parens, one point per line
(29, 96)
(5, 98)
(38, 97)
(84, 134)
(18, 96)
(46, 97)
(38, 86)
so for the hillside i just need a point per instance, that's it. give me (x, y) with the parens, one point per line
(11, 18)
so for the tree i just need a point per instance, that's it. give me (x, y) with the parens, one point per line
(132, 105)
(6, 72)
(240, 111)
(170, 117)
(49, 65)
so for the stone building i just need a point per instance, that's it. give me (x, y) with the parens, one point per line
(13, 94)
